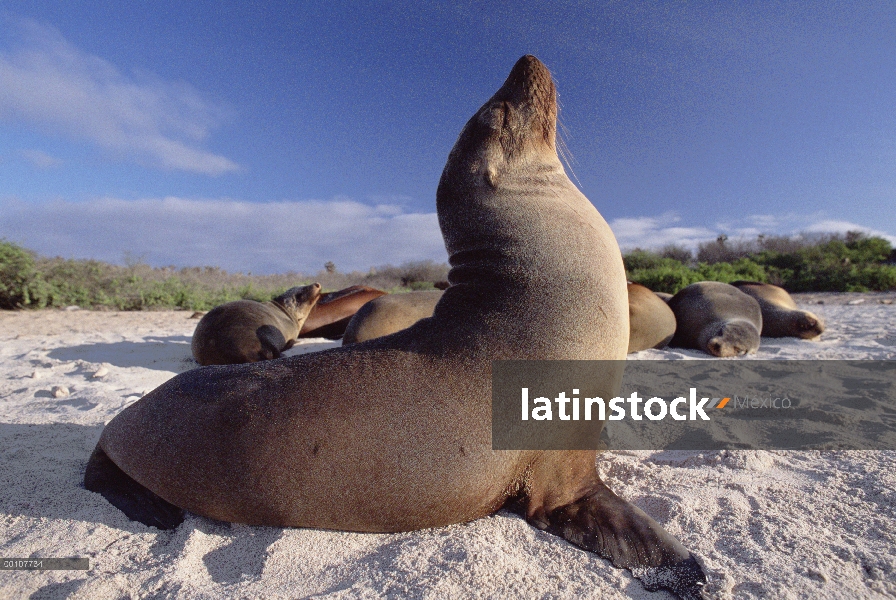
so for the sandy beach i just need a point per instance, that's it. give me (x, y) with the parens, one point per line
(765, 524)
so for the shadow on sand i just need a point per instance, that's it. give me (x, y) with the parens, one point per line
(163, 353)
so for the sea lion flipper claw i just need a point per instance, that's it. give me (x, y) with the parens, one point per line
(139, 504)
(604, 523)
(685, 579)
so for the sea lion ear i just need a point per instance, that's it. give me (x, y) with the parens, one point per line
(491, 176)
(491, 164)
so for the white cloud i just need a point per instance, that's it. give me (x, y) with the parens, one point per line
(655, 232)
(40, 159)
(300, 236)
(273, 237)
(834, 226)
(652, 233)
(47, 81)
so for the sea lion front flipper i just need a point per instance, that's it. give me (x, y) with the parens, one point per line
(604, 523)
(271, 340)
(139, 504)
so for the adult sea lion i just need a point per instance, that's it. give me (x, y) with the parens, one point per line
(780, 316)
(664, 296)
(389, 314)
(651, 321)
(394, 434)
(247, 331)
(716, 318)
(332, 313)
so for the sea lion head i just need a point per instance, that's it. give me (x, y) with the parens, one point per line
(515, 125)
(298, 301)
(504, 157)
(733, 338)
(808, 325)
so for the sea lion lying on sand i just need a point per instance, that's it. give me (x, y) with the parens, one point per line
(651, 321)
(247, 331)
(780, 316)
(716, 318)
(394, 434)
(390, 314)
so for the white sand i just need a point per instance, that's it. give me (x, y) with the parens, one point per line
(764, 524)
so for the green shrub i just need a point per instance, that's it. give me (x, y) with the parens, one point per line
(742, 268)
(665, 278)
(17, 276)
(837, 263)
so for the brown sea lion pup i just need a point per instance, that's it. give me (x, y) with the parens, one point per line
(390, 314)
(334, 310)
(247, 331)
(394, 434)
(651, 321)
(716, 318)
(780, 316)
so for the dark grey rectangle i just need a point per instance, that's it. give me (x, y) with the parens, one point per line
(778, 404)
(44, 564)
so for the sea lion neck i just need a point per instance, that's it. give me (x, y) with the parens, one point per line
(297, 302)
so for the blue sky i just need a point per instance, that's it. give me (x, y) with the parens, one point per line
(268, 137)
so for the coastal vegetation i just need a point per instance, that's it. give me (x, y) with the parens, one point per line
(28, 280)
(852, 262)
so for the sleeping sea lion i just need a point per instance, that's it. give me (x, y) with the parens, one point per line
(780, 315)
(390, 314)
(716, 318)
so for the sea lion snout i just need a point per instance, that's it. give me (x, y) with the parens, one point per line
(810, 326)
(734, 338)
(528, 100)
(303, 296)
(313, 290)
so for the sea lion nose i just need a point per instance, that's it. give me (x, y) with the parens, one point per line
(528, 77)
(528, 64)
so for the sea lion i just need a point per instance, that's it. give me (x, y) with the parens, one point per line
(390, 314)
(716, 318)
(780, 316)
(665, 297)
(247, 331)
(394, 434)
(334, 310)
(651, 321)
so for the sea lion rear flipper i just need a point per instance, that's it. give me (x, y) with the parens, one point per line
(604, 523)
(137, 502)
